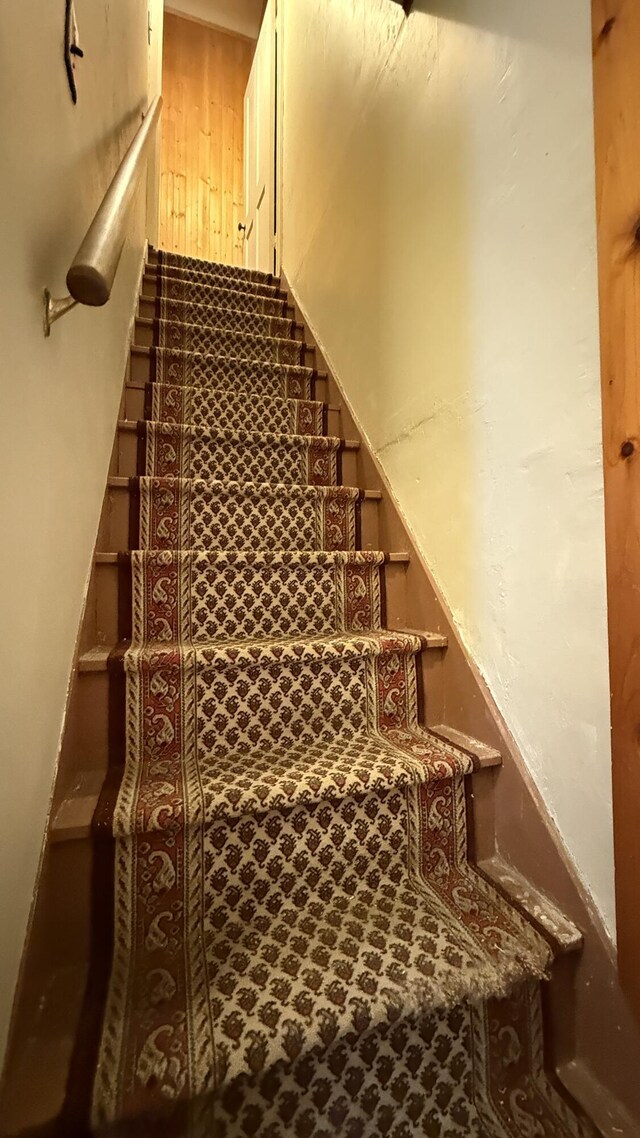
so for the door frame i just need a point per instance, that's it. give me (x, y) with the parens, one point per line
(277, 142)
(616, 73)
(279, 26)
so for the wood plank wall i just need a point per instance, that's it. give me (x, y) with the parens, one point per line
(204, 76)
(616, 61)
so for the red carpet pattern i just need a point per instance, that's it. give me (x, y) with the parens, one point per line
(301, 945)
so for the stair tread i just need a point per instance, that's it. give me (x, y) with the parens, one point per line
(181, 288)
(201, 264)
(247, 336)
(148, 350)
(224, 311)
(221, 318)
(120, 482)
(266, 558)
(243, 394)
(257, 488)
(481, 751)
(564, 934)
(149, 321)
(392, 558)
(298, 649)
(276, 777)
(241, 345)
(213, 280)
(169, 428)
(233, 408)
(266, 650)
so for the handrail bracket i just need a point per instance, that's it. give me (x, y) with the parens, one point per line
(54, 309)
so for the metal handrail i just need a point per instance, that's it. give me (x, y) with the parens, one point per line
(90, 278)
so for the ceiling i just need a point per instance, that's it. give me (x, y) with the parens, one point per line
(240, 16)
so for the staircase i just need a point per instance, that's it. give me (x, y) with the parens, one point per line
(288, 937)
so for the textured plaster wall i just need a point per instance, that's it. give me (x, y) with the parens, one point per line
(58, 397)
(240, 16)
(440, 235)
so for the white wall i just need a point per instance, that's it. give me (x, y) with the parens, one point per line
(240, 16)
(58, 397)
(440, 235)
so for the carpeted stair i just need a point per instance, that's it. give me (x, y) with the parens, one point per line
(301, 947)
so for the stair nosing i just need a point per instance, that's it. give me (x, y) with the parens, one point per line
(125, 482)
(239, 312)
(146, 349)
(131, 386)
(399, 558)
(96, 659)
(132, 426)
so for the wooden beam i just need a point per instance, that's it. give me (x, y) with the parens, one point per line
(616, 63)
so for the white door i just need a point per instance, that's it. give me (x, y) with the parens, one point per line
(259, 150)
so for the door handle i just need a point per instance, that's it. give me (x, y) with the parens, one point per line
(241, 227)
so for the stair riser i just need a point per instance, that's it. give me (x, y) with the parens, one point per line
(281, 703)
(147, 335)
(116, 534)
(52, 993)
(235, 600)
(212, 280)
(183, 289)
(137, 401)
(190, 453)
(142, 372)
(132, 462)
(113, 620)
(214, 317)
(89, 741)
(193, 267)
(100, 715)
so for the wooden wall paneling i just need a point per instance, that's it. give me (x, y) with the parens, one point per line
(205, 73)
(616, 60)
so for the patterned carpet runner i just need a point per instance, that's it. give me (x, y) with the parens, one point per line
(301, 946)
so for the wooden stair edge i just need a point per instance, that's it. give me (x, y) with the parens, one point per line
(481, 753)
(150, 275)
(400, 558)
(131, 385)
(557, 928)
(144, 298)
(123, 482)
(149, 321)
(609, 1115)
(73, 817)
(145, 350)
(96, 659)
(430, 639)
(269, 278)
(132, 426)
